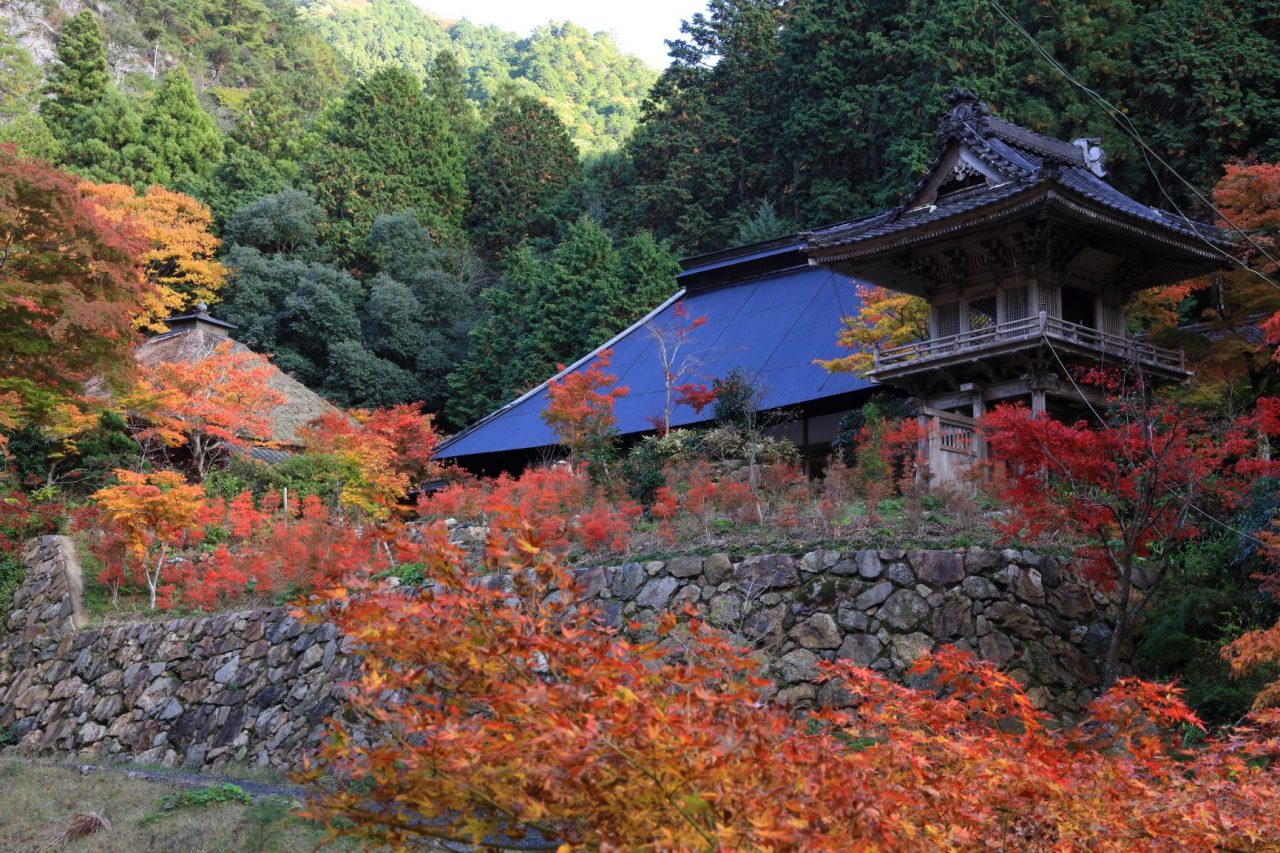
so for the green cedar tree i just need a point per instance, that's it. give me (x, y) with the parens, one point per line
(78, 76)
(524, 162)
(387, 148)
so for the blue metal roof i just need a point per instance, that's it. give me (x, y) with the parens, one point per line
(772, 327)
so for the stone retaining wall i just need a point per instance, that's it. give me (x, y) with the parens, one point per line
(255, 686)
(883, 609)
(249, 687)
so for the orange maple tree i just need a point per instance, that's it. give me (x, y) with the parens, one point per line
(505, 715)
(152, 514)
(69, 290)
(392, 449)
(885, 318)
(207, 403)
(580, 408)
(180, 259)
(1232, 304)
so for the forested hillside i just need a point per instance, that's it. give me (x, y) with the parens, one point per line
(420, 220)
(403, 204)
(827, 110)
(596, 90)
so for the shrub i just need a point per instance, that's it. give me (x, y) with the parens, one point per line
(200, 798)
(737, 400)
(511, 709)
(11, 575)
(643, 468)
(241, 474)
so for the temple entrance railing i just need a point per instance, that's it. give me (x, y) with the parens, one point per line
(1000, 335)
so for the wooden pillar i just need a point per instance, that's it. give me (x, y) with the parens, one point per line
(1037, 401)
(924, 446)
(979, 409)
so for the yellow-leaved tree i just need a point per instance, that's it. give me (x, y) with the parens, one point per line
(151, 513)
(885, 318)
(180, 259)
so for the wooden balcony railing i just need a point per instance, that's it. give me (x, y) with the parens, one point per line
(1003, 335)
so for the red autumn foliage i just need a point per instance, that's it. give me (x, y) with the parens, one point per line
(607, 528)
(580, 409)
(208, 404)
(569, 510)
(487, 710)
(392, 448)
(411, 437)
(1130, 491)
(672, 342)
(72, 286)
(261, 551)
(267, 553)
(695, 395)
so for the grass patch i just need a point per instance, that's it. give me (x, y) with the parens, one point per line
(38, 801)
(211, 796)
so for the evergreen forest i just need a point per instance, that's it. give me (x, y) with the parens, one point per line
(401, 202)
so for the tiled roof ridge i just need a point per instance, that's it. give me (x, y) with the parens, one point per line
(969, 119)
(1030, 140)
(1023, 158)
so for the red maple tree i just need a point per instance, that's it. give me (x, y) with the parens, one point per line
(209, 403)
(673, 342)
(489, 711)
(70, 287)
(1130, 491)
(580, 409)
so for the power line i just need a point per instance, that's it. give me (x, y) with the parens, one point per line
(1126, 125)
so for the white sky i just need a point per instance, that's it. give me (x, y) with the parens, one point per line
(640, 26)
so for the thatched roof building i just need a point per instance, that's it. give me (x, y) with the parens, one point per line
(193, 337)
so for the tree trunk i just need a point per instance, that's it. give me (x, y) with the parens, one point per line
(1111, 666)
(199, 451)
(153, 580)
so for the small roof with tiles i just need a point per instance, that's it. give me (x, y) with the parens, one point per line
(989, 170)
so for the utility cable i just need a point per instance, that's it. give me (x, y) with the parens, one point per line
(1103, 421)
(1126, 125)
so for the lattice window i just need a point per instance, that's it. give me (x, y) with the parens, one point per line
(1016, 303)
(956, 438)
(947, 320)
(1049, 303)
(982, 313)
(1111, 319)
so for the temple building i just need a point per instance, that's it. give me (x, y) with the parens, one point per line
(769, 314)
(1024, 251)
(196, 336)
(1026, 256)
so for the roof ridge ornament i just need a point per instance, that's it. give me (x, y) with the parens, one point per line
(965, 107)
(965, 104)
(1095, 159)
